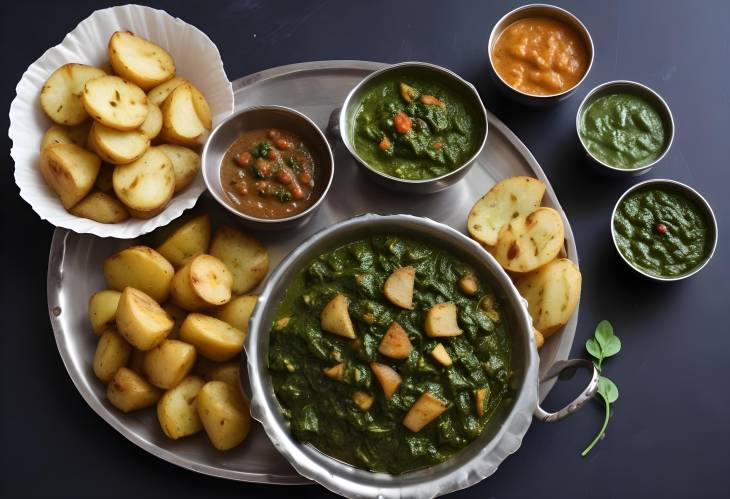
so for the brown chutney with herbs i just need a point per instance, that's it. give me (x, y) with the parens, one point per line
(269, 173)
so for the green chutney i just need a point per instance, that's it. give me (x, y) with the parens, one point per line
(323, 411)
(623, 131)
(661, 232)
(443, 133)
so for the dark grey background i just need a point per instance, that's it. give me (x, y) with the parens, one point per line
(669, 435)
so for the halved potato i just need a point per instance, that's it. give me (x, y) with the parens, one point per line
(162, 91)
(245, 257)
(335, 317)
(237, 312)
(188, 241)
(441, 355)
(103, 309)
(140, 61)
(395, 343)
(203, 282)
(115, 103)
(441, 321)
(152, 124)
(112, 352)
(142, 268)
(213, 338)
(116, 146)
(225, 415)
(530, 241)
(511, 198)
(185, 163)
(202, 108)
(128, 391)
(427, 408)
(101, 207)
(398, 288)
(70, 171)
(141, 320)
(552, 293)
(228, 373)
(61, 94)
(168, 363)
(180, 121)
(59, 134)
(177, 410)
(388, 378)
(146, 185)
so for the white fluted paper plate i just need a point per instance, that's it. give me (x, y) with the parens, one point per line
(196, 59)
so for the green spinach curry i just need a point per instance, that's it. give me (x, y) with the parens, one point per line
(415, 129)
(405, 381)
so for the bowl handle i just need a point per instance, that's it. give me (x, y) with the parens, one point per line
(565, 369)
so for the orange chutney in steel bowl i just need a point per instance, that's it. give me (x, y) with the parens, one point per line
(540, 56)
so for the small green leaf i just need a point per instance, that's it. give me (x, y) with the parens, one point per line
(611, 347)
(608, 389)
(604, 331)
(594, 348)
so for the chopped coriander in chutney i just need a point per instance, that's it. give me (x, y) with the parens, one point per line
(623, 131)
(415, 129)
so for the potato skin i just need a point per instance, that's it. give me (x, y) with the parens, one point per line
(168, 363)
(70, 171)
(141, 320)
(142, 268)
(128, 391)
(237, 312)
(103, 309)
(228, 373)
(140, 61)
(212, 338)
(101, 207)
(60, 94)
(177, 410)
(203, 282)
(224, 413)
(245, 257)
(112, 352)
(188, 241)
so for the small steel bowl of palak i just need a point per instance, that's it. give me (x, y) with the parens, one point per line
(539, 54)
(664, 230)
(270, 165)
(414, 127)
(625, 128)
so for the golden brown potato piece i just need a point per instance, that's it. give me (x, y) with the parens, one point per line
(228, 373)
(141, 321)
(468, 285)
(59, 134)
(225, 415)
(441, 355)
(146, 185)
(201, 107)
(103, 309)
(245, 257)
(115, 103)
(441, 321)
(101, 207)
(480, 400)
(180, 121)
(118, 147)
(398, 288)
(162, 91)
(112, 352)
(552, 293)
(427, 408)
(364, 401)
(203, 282)
(185, 163)
(152, 124)
(395, 343)
(511, 198)
(70, 171)
(168, 363)
(60, 97)
(529, 241)
(388, 378)
(177, 410)
(142, 268)
(539, 338)
(189, 240)
(237, 312)
(335, 317)
(128, 391)
(140, 61)
(336, 372)
(212, 338)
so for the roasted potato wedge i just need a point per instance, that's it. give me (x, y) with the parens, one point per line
(395, 342)
(140, 61)
(142, 268)
(245, 257)
(112, 353)
(162, 91)
(202, 108)
(118, 147)
(212, 338)
(141, 320)
(185, 163)
(511, 198)
(70, 171)
(146, 185)
(103, 309)
(180, 121)
(237, 312)
(441, 321)
(152, 124)
(168, 363)
(388, 378)
(225, 415)
(177, 410)
(530, 241)
(115, 102)
(59, 134)
(189, 240)
(203, 282)
(61, 94)
(552, 293)
(427, 408)
(335, 317)
(101, 207)
(398, 288)
(128, 391)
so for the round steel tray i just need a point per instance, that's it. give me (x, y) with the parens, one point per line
(316, 89)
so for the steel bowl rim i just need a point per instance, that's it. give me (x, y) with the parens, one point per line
(692, 193)
(482, 464)
(250, 218)
(562, 12)
(655, 95)
(466, 84)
